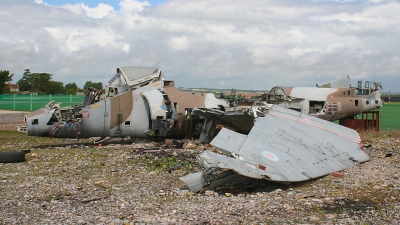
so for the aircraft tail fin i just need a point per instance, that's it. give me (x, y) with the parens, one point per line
(338, 83)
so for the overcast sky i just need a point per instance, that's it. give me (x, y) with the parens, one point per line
(248, 44)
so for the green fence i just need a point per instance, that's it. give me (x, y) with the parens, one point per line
(34, 102)
(389, 116)
(389, 113)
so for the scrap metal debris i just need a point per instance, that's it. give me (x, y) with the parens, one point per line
(283, 146)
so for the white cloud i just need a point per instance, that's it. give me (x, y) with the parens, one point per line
(336, 47)
(251, 44)
(179, 43)
(299, 51)
(132, 6)
(99, 11)
(71, 40)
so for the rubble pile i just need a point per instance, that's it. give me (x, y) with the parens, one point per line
(128, 182)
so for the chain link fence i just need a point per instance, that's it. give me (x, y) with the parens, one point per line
(34, 102)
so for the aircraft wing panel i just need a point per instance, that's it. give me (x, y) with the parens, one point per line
(288, 146)
(229, 140)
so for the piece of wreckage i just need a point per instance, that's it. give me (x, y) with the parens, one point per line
(334, 100)
(137, 102)
(282, 145)
(267, 141)
(289, 142)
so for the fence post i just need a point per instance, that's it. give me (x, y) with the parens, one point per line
(14, 102)
(31, 102)
(50, 98)
(70, 99)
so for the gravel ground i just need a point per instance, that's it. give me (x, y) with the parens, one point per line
(9, 120)
(77, 182)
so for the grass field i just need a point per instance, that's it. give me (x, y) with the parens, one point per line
(389, 116)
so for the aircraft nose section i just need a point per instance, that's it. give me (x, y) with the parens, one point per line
(37, 122)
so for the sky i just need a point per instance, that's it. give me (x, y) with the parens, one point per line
(94, 3)
(249, 44)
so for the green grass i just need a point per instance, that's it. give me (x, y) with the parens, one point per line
(389, 116)
(14, 140)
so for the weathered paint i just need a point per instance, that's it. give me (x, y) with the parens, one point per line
(121, 105)
(332, 101)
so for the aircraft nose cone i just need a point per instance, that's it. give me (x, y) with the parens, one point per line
(36, 122)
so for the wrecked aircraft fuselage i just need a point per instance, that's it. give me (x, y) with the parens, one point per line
(138, 103)
(284, 142)
(330, 101)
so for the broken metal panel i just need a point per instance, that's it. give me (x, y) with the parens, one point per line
(324, 98)
(136, 75)
(138, 120)
(239, 119)
(117, 85)
(229, 141)
(312, 93)
(299, 146)
(212, 102)
(240, 165)
(131, 78)
(368, 120)
(193, 100)
(38, 119)
(285, 146)
(338, 83)
(156, 104)
(302, 147)
(95, 120)
(195, 180)
(372, 101)
(140, 76)
(120, 109)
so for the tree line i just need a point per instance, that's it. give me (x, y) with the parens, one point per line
(42, 83)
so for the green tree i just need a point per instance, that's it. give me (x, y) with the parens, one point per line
(6, 90)
(55, 87)
(4, 77)
(24, 83)
(89, 84)
(71, 88)
(35, 82)
(41, 82)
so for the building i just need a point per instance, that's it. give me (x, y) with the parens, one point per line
(13, 87)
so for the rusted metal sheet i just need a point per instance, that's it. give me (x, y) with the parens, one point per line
(368, 121)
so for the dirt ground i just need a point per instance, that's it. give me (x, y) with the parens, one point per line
(9, 120)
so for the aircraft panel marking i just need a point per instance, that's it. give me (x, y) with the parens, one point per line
(270, 156)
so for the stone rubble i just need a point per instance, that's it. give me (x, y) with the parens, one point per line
(138, 183)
